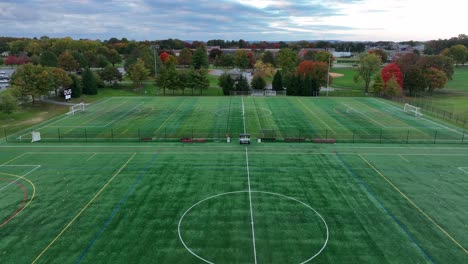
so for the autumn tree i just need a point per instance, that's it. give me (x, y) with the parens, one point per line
(286, 59)
(241, 60)
(435, 79)
(59, 79)
(67, 62)
(316, 70)
(8, 103)
(381, 53)
(369, 64)
(390, 71)
(30, 81)
(264, 69)
(110, 74)
(137, 72)
(377, 85)
(268, 57)
(185, 57)
(392, 87)
(459, 53)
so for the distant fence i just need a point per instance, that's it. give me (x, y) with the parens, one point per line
(399, 136)
(428, 107)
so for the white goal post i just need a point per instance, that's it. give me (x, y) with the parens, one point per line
(76, 108)
(412, 110)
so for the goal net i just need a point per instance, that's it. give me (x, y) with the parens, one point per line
(76, 108)
(412, 110)
(257, 93)
(270, 93)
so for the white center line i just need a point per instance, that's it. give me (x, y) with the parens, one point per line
(248, 182)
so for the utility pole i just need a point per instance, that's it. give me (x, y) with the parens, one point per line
(328, 75)
(155, 48)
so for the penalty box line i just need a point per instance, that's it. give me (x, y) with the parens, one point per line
(414, 205)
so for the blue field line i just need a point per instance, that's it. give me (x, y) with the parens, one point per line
(116, 209)
(184, 116)
(385, 209)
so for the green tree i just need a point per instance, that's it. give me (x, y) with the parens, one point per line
(392, 87)
(59, 79)
(200, 80)
(368, 65)
(277, 84)
(8, 103)
(101, 61)
(458, 53)
(200, 58)
(268, 57)
(48, 59)
(114, 57)
(286, 59)
(30, 81)
(76, 86)
(89, 82)
(226, 83)
(138, 73)
(110, 74)
(435, 79)
(377, 85)
(1, 61)
(258, 83)
(185, 57)
(415, 81)
(241, 60)
(242, 84)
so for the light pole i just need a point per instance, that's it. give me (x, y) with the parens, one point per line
(155, 48)
(328, 75)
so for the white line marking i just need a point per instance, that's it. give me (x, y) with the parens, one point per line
(365, 116)
(22, 177)
(401, 156)
(243, 114)
(461, 168)
(250, 202)
(91, 156)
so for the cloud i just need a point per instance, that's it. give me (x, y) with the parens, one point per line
(203, 19)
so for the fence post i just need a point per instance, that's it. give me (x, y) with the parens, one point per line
(6, 136)
(86, 135)
(112, 134)
(463, 136)
(139, 137)
(58, 132)
(381, 136)
(353, 135)
(435, 136)
(407, 137)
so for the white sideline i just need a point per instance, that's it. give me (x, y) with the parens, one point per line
(248, 182)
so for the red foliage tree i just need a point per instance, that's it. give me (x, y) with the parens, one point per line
(318, 70)
(13, 60)
(164, 56)
(392, 70)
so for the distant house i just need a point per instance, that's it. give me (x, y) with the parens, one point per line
(342, 54)
(5, 54)
(303, 52)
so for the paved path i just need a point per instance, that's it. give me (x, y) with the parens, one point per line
(56, 102)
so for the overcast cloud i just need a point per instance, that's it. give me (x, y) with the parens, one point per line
(234, 19)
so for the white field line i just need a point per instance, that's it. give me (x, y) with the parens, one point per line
(401, 156)
(17, 157)
(169, 117)
(248, 182)
(435, 123)
(91, 157)
(365, 116)
(462, 169)
(250, 202)
(243, 114)
(22, 177)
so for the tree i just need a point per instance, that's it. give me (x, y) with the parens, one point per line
(241, 60)
(114, 57)
(138, 73)
(242, 84)
(8, 103)
(438, 61)
(67, 62)
(264, 69)
(225, 60)
(110, 74)
(390, 71)
(214, 53)
(392, 87)
(435, 79)
(200, 80)
(258, 83)
(101, 61)
(377, 85)
(200, 59)
(368, 65)
(458, 53)
(226, 83)
(59, 79)
(415, 81)
(48, 59)
(30, 81)
(89, 82)
(268, 57)
(185, 57)
(286, 59)
(76, 86)
(381, 53)
(317, 71)
(277, 84)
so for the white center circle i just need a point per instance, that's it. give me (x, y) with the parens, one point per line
(261, 192)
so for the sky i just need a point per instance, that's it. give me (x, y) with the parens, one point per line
(352, 20)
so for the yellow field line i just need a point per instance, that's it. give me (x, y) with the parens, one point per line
(83, 209)
(316, 116)
(32, 196)
(415, 206)
(15, 158)
(167, 119)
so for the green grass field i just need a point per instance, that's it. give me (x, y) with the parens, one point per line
(215, 118)
(71, 200)
(173, 203)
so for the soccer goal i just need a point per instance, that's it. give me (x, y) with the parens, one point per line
(270, 93)
(76, 108)
(412, 110)
(257, 93)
